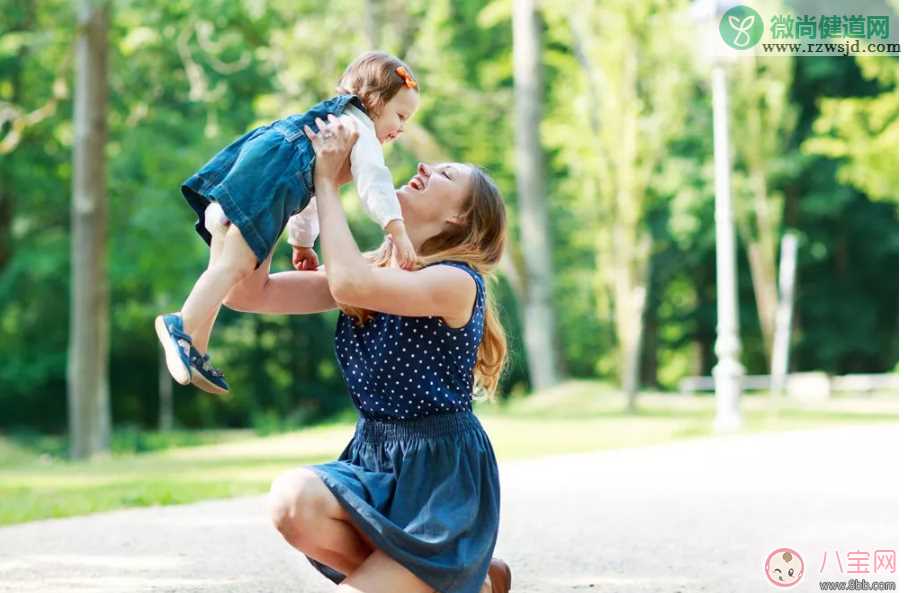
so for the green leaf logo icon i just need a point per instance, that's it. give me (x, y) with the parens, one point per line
(741, 27)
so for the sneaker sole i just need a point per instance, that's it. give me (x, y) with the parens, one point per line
(174, 363)
(202, 383)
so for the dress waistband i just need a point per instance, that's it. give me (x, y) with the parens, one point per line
(435, 425)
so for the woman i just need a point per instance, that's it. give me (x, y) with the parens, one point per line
(412, 503)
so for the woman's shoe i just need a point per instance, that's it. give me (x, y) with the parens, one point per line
(500, 575)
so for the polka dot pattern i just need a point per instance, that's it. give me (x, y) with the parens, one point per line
(399, 368)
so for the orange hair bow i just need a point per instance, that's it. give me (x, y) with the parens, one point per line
(409, 82)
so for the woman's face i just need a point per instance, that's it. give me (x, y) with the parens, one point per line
(435, 195)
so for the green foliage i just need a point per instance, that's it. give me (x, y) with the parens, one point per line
(188, 77)
(862, 131)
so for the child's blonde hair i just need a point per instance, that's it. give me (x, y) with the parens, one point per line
(375, 77)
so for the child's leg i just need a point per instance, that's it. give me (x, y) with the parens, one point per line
(217, 236)
(202, 336)
(231, 265)
(253, 284)
(217, 228)
(201, 340)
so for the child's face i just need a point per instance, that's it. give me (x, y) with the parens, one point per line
(398, 110)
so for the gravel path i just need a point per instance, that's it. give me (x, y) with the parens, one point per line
(698, 515)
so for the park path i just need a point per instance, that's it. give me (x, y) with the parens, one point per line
(693, 516)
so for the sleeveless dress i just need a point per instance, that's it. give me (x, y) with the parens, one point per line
(419, 476)
(263, 177)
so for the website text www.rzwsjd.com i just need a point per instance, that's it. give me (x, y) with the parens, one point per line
(839, 49)
(856, 585)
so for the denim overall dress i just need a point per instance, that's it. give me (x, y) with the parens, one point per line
(263, 177)
(419, 476)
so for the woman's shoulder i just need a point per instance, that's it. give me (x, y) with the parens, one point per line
(456, 263)
(475, 306)
(470, 269)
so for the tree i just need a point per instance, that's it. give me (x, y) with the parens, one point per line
(763, 120)
(624, 108)
(863, 132)
(538, 313)
(89, 392)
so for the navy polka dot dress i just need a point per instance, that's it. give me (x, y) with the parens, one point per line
(398, 368)
(419, 476)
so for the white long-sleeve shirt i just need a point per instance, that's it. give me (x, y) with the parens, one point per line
(372, 180)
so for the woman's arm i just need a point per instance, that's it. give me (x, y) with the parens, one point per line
(442, 291)
(283, 293)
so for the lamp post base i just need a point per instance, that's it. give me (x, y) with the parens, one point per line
(727, 375)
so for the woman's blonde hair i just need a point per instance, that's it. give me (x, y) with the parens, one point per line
(375, 79)
(478, 241)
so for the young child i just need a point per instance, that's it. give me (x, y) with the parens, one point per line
(264, 180)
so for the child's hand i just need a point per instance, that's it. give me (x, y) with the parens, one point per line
(401, 244)
(405, 253)
(304, 258)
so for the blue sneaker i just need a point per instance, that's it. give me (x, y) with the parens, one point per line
(204, 375)
(176, 345)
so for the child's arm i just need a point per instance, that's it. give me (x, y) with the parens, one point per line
(377, 193)
(303, 229)
(372, 178)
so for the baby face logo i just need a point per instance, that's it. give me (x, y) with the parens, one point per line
(784, 567)
(741, 27)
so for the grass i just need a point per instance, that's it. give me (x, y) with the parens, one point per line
(125, 440)
(575, 417)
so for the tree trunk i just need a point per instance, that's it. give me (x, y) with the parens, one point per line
(538, 313)
(88, 383)
(623, 253)
(761, 257)
(631, 242)
(781, 350)
(764, 290)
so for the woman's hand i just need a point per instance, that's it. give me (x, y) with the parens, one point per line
(332, 143)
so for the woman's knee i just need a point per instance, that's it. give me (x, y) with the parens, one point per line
(294, 502)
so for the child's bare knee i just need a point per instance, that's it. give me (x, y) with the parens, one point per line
(235, 270)
(237, 253)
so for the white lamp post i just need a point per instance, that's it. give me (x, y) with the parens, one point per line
(728, 371)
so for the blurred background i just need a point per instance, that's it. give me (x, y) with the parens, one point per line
(601, 141)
